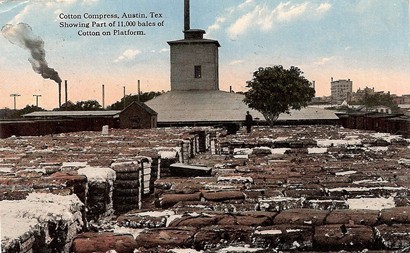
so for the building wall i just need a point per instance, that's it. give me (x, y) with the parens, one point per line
(137, 117)
(340, 90)
(54, 126)
(378, 122)
(185, 56)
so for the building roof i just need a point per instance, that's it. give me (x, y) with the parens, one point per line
(143, 106)
(194, 41)
(218, 106)
(72, 114)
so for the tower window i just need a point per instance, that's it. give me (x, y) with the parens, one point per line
(197, 71)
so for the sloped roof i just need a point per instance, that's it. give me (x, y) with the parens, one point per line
(194, 41)
(218, 106)
(72, 114)
(143, 106)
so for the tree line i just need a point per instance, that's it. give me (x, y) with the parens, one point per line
(87, 105)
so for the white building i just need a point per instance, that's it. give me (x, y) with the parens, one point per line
(340, 90)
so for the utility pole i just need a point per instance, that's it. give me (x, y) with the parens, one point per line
(103, 96)
(15, 97)
(36, 99)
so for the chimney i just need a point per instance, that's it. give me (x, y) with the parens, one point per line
(186, 15)
(139, 90)
(314, 84)
(230, 89)
(123, 99)
(66, 99)
(59, 95)
(331, 79)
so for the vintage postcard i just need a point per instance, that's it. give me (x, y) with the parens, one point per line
(204, 126)
(91, 43)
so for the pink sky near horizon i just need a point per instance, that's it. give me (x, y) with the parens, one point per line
(86, 86)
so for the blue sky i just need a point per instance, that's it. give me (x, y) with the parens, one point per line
(364, 40)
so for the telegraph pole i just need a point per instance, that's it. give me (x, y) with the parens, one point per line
(103, 96)
(36, 99)
(15, 97)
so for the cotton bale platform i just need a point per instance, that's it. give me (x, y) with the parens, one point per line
(186, 170)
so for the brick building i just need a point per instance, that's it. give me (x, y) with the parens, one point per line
(138, 115)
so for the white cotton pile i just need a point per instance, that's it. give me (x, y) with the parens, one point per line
(22, 218)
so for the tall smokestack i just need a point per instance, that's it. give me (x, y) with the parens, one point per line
(124, 99)
(186, 15)
(59, 94)
(66, 93)
(139, 90)
(22, 36)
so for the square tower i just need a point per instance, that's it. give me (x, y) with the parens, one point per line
(194, 62)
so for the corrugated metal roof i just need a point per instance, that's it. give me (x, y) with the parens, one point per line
(72, 114)
(218, 106)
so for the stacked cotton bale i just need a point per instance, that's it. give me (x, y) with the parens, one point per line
(201, 140)
(50, 167)
(146, 170)
(138, 219)
(64, 183)
(70, 166)
(100, 191)
(104, 242)
(127, 192)
(41, 223)
(186, 148)
(214, 145)
(155, 171)
(16, 186)
(154, 160)
(167, 156)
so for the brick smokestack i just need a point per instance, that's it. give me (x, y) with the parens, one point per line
(59, 94)
(186, 15)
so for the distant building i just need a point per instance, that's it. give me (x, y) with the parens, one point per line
(340, 90)
(404, 99)
(138, 115)
(380, 109)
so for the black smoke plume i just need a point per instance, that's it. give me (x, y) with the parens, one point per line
(22, 36)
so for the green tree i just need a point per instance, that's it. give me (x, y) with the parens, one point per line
(144, 97)
(275, 90)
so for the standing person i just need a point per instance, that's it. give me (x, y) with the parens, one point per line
(248, 122)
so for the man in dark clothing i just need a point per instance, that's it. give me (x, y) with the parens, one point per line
(248, 122)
